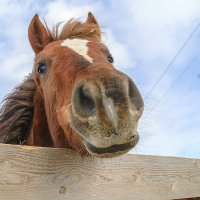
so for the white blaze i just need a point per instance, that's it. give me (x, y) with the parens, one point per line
(79, 46)
(110, 108)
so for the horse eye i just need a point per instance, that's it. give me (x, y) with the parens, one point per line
(41, 68)
(110, 59)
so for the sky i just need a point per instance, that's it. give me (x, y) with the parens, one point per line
(144, 37)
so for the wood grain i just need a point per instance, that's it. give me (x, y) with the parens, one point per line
(36, 173)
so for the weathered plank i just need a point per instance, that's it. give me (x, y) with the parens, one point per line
(58, 174)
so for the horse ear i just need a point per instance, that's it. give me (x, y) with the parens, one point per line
(37, 34)
(91, 20)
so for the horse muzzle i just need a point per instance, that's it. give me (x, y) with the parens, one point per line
(105, 113)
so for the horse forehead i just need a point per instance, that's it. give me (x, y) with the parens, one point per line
(80, 46)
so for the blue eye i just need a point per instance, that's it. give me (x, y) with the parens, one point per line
(110, 59)
(41, 68)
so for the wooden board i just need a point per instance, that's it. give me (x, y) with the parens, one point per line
(36, 173)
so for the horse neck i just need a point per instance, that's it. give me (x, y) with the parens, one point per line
(45, 130)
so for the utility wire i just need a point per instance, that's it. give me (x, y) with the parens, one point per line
(173, 60)
(174, 83)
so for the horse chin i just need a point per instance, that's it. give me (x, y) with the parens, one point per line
(113, 150)
(98, 151)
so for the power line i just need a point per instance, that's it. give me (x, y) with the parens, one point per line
(173, 60)
(174, 83)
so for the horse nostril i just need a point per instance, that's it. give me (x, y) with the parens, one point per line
(83, 102)
(135, 95)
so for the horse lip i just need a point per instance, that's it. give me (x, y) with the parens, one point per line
(113, 148)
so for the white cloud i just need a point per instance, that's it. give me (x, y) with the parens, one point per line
(119, 51)
(57, 11)
(17, 57)
(156, 26)
(17, 66)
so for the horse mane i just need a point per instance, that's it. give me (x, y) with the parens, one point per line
(17, 112)
(74, 29)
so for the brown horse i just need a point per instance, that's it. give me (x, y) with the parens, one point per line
(74, 97)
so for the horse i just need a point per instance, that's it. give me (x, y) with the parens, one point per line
(74, 97)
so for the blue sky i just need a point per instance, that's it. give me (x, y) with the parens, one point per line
(143, 37)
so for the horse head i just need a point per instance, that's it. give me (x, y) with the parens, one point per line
(89, 105)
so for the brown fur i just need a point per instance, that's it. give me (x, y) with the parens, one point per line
(44, 109)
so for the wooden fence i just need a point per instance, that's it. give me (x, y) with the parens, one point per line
(36, 173)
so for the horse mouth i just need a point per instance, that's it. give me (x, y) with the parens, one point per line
(113, 150)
